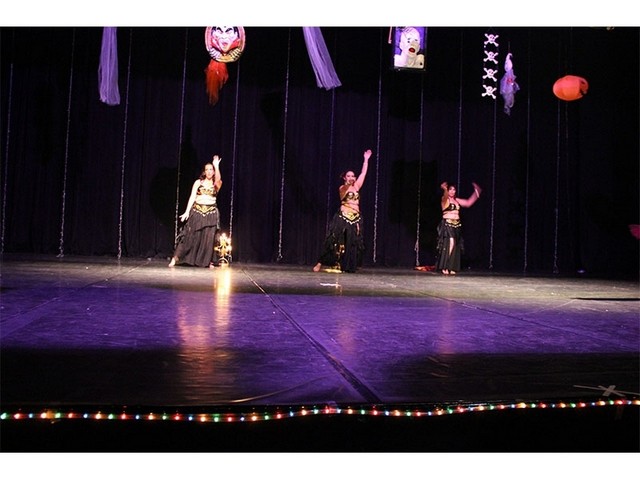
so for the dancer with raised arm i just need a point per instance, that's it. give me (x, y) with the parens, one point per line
(344, 244)
(196, 242)
(450, 242)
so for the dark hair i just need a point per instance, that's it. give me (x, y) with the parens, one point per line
(203, 175)
(344, 174)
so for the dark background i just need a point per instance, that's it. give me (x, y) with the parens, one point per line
(560, 178)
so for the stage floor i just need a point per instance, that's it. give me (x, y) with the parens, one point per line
(88, 331)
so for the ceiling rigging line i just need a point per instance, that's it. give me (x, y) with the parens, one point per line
(124, 144)
(421, 145)
(528, 160)
(6, 151)
(234, 155)
(66, 148)
(379, 110)
(284, 146)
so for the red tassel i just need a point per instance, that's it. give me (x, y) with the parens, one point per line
(217, 76)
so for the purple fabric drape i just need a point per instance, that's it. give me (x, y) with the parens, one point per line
(108, 69)
(326, 76)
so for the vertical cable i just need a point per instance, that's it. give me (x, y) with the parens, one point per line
(330, 169)
(330, 172)
(375, 204)
(180, 133)
(124, 144)
(558, 160)
(460, 113)
(555, 232)
(571, 175)
(493, 186)
(234, 155)
(420, 143)
(526, 196)
(568, 175)
(66, 148)
(493, 181)
(284, 146)
(6, 156)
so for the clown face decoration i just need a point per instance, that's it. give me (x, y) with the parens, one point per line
(224, 44)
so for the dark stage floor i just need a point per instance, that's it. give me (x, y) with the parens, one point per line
(381, 360)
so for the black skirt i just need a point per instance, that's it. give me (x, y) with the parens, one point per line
(196, 240)
(343, 246)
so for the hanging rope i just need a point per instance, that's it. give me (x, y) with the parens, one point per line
(493, 186)
(459, 166)
(330, 169)
(558, 161)
(490, 60)
(526, 196)
(284, 146)
(420, 143)
(66, 148)
(379, 114)
(6, 156)
(233, 159)
(124, 146)
(180, 133)
(555, 233)
(570, 174)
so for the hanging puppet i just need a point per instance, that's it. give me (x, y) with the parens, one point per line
(508, 85)
(225, 45)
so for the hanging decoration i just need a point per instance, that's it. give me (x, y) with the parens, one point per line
(570, 87)
(490, 65)
(108, 68)
(508, 85)
(326, 76)
(225, 45)
(409, 46)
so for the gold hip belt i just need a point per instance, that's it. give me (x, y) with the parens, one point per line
(204, 209)
(350, 217)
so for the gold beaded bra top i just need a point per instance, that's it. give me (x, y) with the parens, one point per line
(210, 191)
(451, 206)
(351, 196)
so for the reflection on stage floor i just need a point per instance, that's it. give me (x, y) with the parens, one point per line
(133, 337)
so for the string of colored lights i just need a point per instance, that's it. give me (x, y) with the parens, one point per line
(278, 413)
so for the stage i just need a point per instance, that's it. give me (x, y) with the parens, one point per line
(101, 354)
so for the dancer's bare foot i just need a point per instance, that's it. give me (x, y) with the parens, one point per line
(173, 262)
(317, 267)
(445, 271)
(452, 272)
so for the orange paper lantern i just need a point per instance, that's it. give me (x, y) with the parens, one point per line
(570, 88)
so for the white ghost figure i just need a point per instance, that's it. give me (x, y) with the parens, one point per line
(508, 85)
